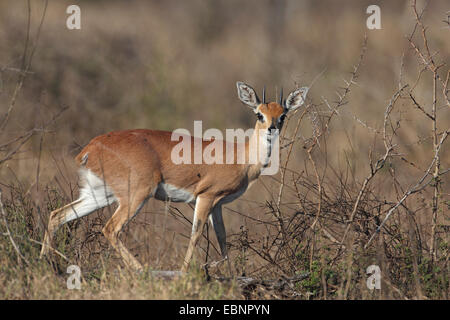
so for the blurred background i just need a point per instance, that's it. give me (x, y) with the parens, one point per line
(164, 64)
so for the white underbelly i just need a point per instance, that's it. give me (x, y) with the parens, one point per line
(167, 191)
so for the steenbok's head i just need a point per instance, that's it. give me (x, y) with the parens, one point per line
(271, 115)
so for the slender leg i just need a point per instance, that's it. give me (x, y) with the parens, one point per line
(93, 195)
(217, 222)
(58, 217)
(123, 214)
(202, 209)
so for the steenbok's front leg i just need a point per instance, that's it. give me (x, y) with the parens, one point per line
(217, 222)
(202, 209)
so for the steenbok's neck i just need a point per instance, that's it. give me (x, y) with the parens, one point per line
(258, 150)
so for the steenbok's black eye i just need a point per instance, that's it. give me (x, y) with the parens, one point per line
(283, 116)
(260, 117)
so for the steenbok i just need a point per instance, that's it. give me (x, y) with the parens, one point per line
(129, 167)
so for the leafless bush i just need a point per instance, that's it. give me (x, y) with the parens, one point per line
(335, 228)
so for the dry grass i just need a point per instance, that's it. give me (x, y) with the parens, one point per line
(370, 148)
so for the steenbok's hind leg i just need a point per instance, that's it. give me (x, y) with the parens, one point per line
(93, 195)
(56, 219)
(77, 209)
(124, 213)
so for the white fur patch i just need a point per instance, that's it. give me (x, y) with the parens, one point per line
(167, 191)
(94, 194)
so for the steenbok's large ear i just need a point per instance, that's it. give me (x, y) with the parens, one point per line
(247, 95)
(296, 98)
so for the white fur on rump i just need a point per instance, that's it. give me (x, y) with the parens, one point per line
(94, 194)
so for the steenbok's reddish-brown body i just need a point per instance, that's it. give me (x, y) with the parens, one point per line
(131, 166)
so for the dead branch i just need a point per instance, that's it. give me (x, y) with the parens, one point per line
(420, 185)
(8, 232)
(270, 284)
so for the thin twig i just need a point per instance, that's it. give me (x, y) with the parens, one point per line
(8, 232)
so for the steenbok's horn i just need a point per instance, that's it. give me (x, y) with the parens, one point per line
(264, 95)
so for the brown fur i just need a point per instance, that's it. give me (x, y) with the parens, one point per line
(133, 162)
